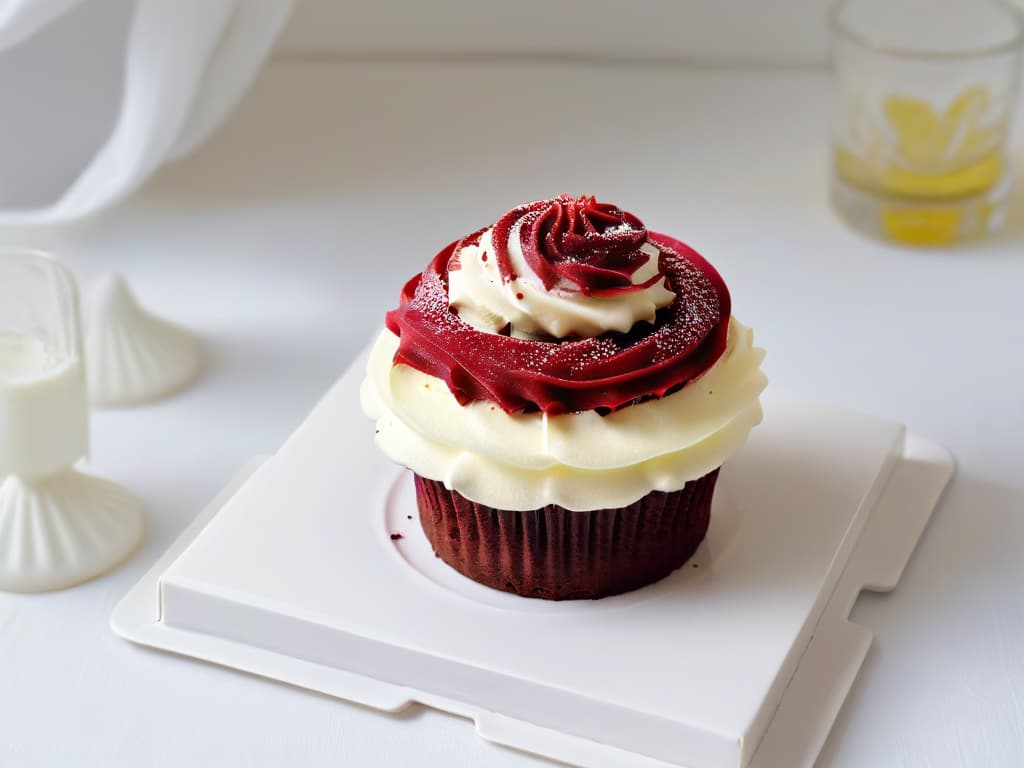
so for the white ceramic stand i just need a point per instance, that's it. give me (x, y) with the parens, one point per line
(133, 357)
(740, 658)
(63, 530)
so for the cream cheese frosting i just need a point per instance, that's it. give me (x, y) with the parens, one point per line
(486, 301)
(580, 461)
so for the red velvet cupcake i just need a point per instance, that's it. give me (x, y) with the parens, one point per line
(565, 385)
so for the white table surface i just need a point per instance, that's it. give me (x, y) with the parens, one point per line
(285, 239)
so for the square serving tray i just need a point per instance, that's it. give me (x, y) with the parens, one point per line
(740, 658)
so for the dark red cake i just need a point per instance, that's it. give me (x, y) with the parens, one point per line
(559, 554)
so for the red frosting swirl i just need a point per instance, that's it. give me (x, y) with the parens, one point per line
(577, 244)
(593, 247)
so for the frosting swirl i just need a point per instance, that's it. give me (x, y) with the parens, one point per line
(575, 244)
(558, 268)
(519, 303)
(582, 251)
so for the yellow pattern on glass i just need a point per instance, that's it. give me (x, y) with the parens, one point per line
(929, 157)
(894, 180)
(931, 154)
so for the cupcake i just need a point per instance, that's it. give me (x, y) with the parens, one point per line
(564, 386)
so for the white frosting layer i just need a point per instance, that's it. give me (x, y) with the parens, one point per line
(486, 302)
(580, 461)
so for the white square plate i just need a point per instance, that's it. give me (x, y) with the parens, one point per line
(742, 657)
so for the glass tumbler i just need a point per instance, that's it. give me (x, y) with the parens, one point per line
(924, 91)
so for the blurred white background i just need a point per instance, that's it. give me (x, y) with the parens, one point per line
(348, 134)
(61, 88)
(733, 32)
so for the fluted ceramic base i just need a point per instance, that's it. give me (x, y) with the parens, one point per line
(133, 357)
(63, 530)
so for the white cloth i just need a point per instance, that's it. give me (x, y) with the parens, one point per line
(186, 65)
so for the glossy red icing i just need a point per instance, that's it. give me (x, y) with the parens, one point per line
(606, 372)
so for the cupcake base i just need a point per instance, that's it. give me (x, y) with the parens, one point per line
(558, 554)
